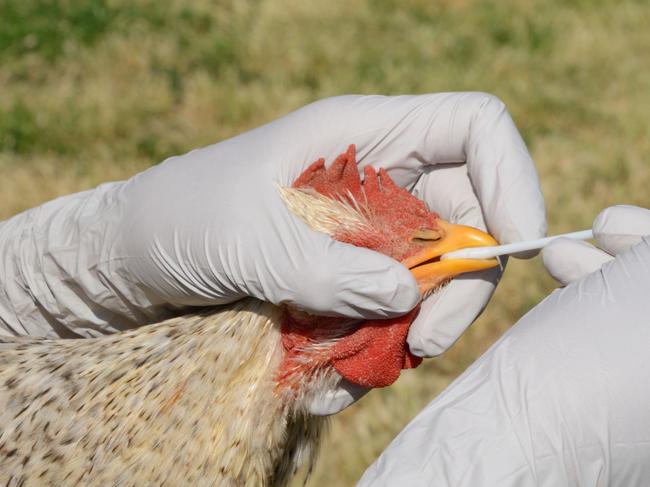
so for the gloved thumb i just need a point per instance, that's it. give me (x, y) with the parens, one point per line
(332, 278)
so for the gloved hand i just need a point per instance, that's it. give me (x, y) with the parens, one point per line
(562, 398)
(209, 227)
(616, 229)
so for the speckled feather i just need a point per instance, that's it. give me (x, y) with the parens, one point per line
(190, 401)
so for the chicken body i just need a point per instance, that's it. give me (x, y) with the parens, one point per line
(190, 401)
(221, 398)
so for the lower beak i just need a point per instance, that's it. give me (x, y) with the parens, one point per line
(430, 271)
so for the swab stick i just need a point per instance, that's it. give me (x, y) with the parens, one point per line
(513, 248)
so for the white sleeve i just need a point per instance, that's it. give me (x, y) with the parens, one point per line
(56, 269)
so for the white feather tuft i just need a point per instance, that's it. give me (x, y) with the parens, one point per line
(325, 214)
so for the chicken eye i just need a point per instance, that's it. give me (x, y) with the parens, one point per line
(426, 235)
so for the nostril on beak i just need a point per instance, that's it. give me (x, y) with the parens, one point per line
(426, 235)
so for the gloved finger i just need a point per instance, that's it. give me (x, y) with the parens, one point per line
(568, 260)
(334, 401)
(448, 191)
(618, 228)
(446, 314)
(326, 277)
(502, 173)
(406, 134)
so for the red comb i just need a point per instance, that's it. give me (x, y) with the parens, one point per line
(395, 211)
(341, 179)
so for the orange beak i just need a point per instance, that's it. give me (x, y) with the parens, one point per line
(426, 266)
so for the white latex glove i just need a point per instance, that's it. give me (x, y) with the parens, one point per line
(561, 400)
(209, 227)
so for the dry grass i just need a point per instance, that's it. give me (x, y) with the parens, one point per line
(97, 90)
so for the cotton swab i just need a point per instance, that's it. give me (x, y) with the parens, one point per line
(513, 248)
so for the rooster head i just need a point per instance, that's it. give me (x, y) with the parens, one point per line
(379, 215)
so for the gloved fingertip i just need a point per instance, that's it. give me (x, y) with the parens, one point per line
(618, 228)
(332, 402)
(445, 315)
(553, 259)
(568, 260)
(350, 281)
(531, 234)
(401, 287)
(377, 287)
(424, 346)
(527, 254)
(434, 339)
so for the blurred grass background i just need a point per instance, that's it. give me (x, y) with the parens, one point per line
(92, 91)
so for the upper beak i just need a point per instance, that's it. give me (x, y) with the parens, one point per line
(426, 267)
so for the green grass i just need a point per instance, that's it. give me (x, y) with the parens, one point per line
(98, 90)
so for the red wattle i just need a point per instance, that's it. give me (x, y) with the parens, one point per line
(374, 354)
(371, 355)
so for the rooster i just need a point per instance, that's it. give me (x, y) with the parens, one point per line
(220, 397)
